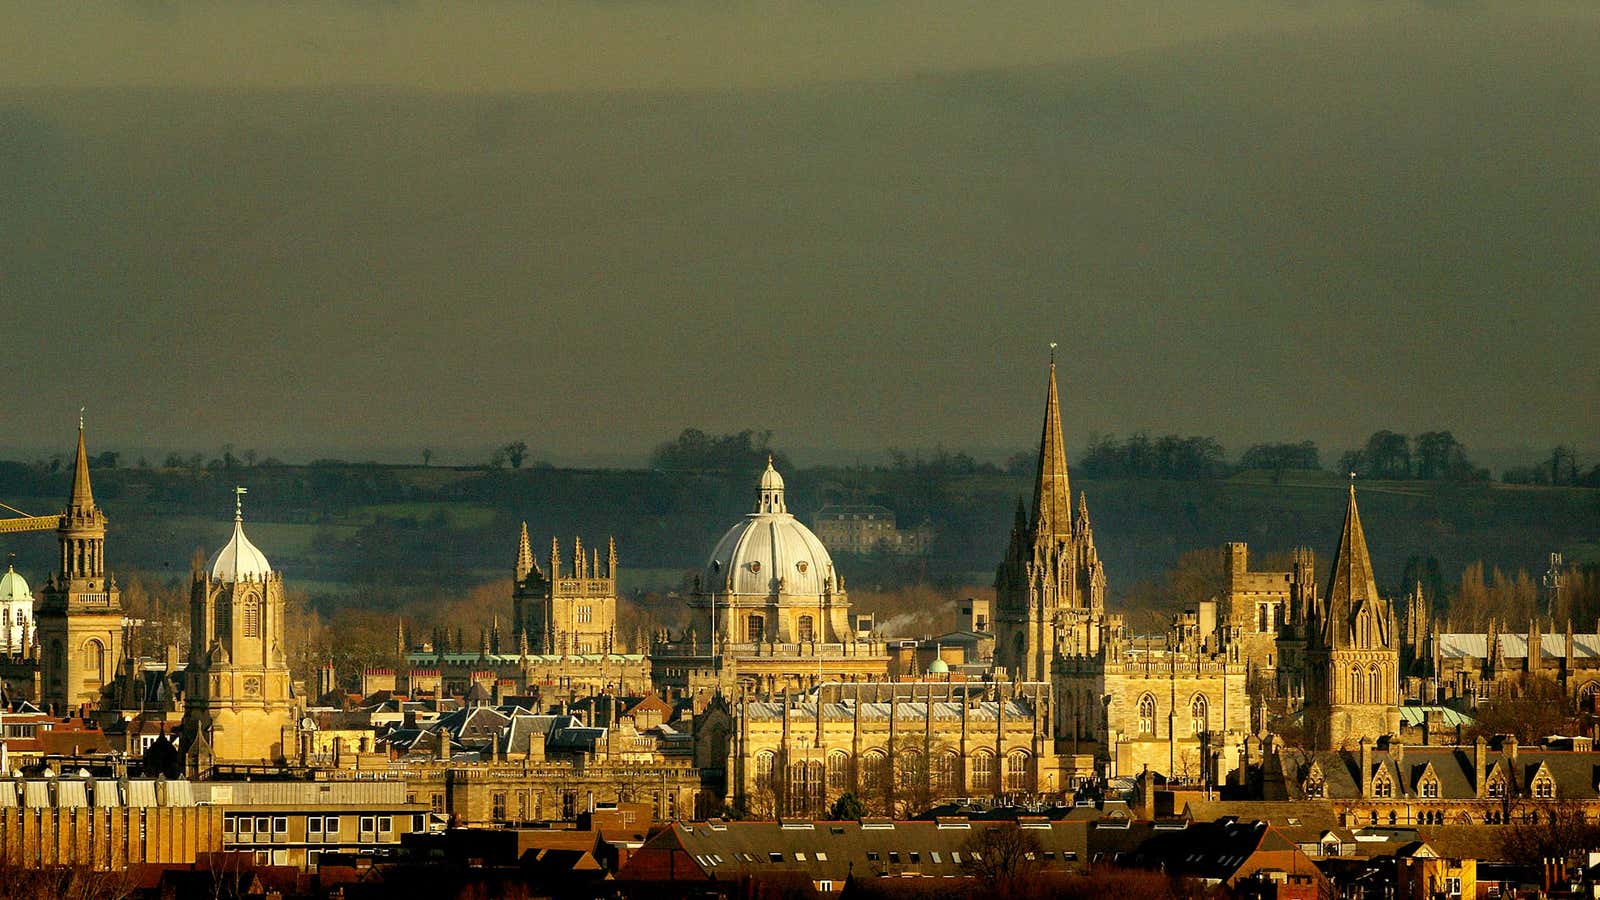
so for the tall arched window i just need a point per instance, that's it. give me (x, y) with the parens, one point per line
(1358, 686)
(1018, 776)
(838, 772)
(252, 616)
(764, 761)
(983, 772)
(947, 773)
(1374, 685)
(1147, 715)
(94, 660)
(1199, 714)
(874, 772)
(755, 629)
(805, 629)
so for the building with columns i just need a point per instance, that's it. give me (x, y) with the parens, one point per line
(79, 610)
(16, 614)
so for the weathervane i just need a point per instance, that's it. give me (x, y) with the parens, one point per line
(238, 502)
(1052, 353)
(80, 417)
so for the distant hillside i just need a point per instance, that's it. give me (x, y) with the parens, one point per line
(350, 528)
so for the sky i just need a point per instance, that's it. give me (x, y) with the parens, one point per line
(361, 229)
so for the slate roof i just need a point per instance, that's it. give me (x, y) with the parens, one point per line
(1468, 645)
(1577, 773)
(873, 710)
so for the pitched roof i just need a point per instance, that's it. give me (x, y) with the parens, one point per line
(1351, 582)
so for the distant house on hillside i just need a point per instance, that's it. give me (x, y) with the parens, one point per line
(868, 528)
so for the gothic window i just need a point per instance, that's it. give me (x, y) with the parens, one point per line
(1198, 714)
(874, 772)
(1261, 615)
(1358, 693)
(1314, 788)
(838, 772)
(585, 615)
(252, 617)
(1429, 788)
(1497, 785)
(805, 787)
(1586, 696)
(1017, 774)
(1147, 715)
(1363, 631)
(764, 761)
(755, 628)
(1374, 692)
(1544, 787)
(805, 629)
(947, 773)
(983, 772)
(1382, 786)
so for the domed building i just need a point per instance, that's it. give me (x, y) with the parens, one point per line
(769, 610)
(16, 613)
(770, 580)
(238, 705)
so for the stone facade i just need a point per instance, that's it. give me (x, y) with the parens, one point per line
(79, 611)
(900, 748)
(565, 611)
(238, 706)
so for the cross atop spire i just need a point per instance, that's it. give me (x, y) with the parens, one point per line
(1052, 494)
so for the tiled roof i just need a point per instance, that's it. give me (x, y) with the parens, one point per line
(1469, 645)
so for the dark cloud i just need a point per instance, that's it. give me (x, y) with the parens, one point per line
(1284, 222)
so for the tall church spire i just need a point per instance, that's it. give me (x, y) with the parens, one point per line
(1052, 495)
(525, 563)
(82, 498)
(1351, 582)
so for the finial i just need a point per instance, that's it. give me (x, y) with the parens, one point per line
(80, 417)
(238, 502)
(769, 460)
(1052, 353)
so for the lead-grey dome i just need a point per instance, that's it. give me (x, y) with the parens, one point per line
(769, 551)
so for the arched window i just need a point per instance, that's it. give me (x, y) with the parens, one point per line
(1586, 696)
(1199, 714)
(947, 773)
(983, 772)
(1018, 774)
(804, 796)
(1363, 631)
(252, 616)
(1374, 685)
(1261, 612)
(755, 629)
(94, 659)
(1147, 715)
(874, 772)
(1358, 685)
(764, 761)
(838, 772)
(805, 629)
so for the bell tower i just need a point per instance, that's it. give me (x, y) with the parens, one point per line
(79, 615)
(238, 698)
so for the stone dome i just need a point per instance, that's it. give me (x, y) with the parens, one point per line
(13, 587)
(239, 560)
(769, 552)
(938, 667)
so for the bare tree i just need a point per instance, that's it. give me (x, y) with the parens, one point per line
(1543, 829)
(1004, 858)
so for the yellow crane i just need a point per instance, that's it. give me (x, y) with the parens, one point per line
(27, 522)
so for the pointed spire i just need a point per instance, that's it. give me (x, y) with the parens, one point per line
(1351, 583)
(82, 499)
(611, 558)
(525, 562)
(1052, 494)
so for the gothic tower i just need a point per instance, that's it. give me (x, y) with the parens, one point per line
(565, 612)
(1352, 650)
(1050, 590)
(238, 703)
(79, 616)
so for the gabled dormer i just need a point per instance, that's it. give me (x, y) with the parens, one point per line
(1542, 784)
(1498, 782)
(1384, 783)
(1315, 783)
(1428, 786)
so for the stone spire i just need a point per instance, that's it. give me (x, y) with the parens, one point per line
(1351, 583)
(82, 499)
(525, 561)
(1052, 495)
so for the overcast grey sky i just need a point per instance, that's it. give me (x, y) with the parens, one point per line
(365, 228)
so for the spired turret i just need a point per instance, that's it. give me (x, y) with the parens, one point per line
(1050, 589)
(79, 613)
(238, 687)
